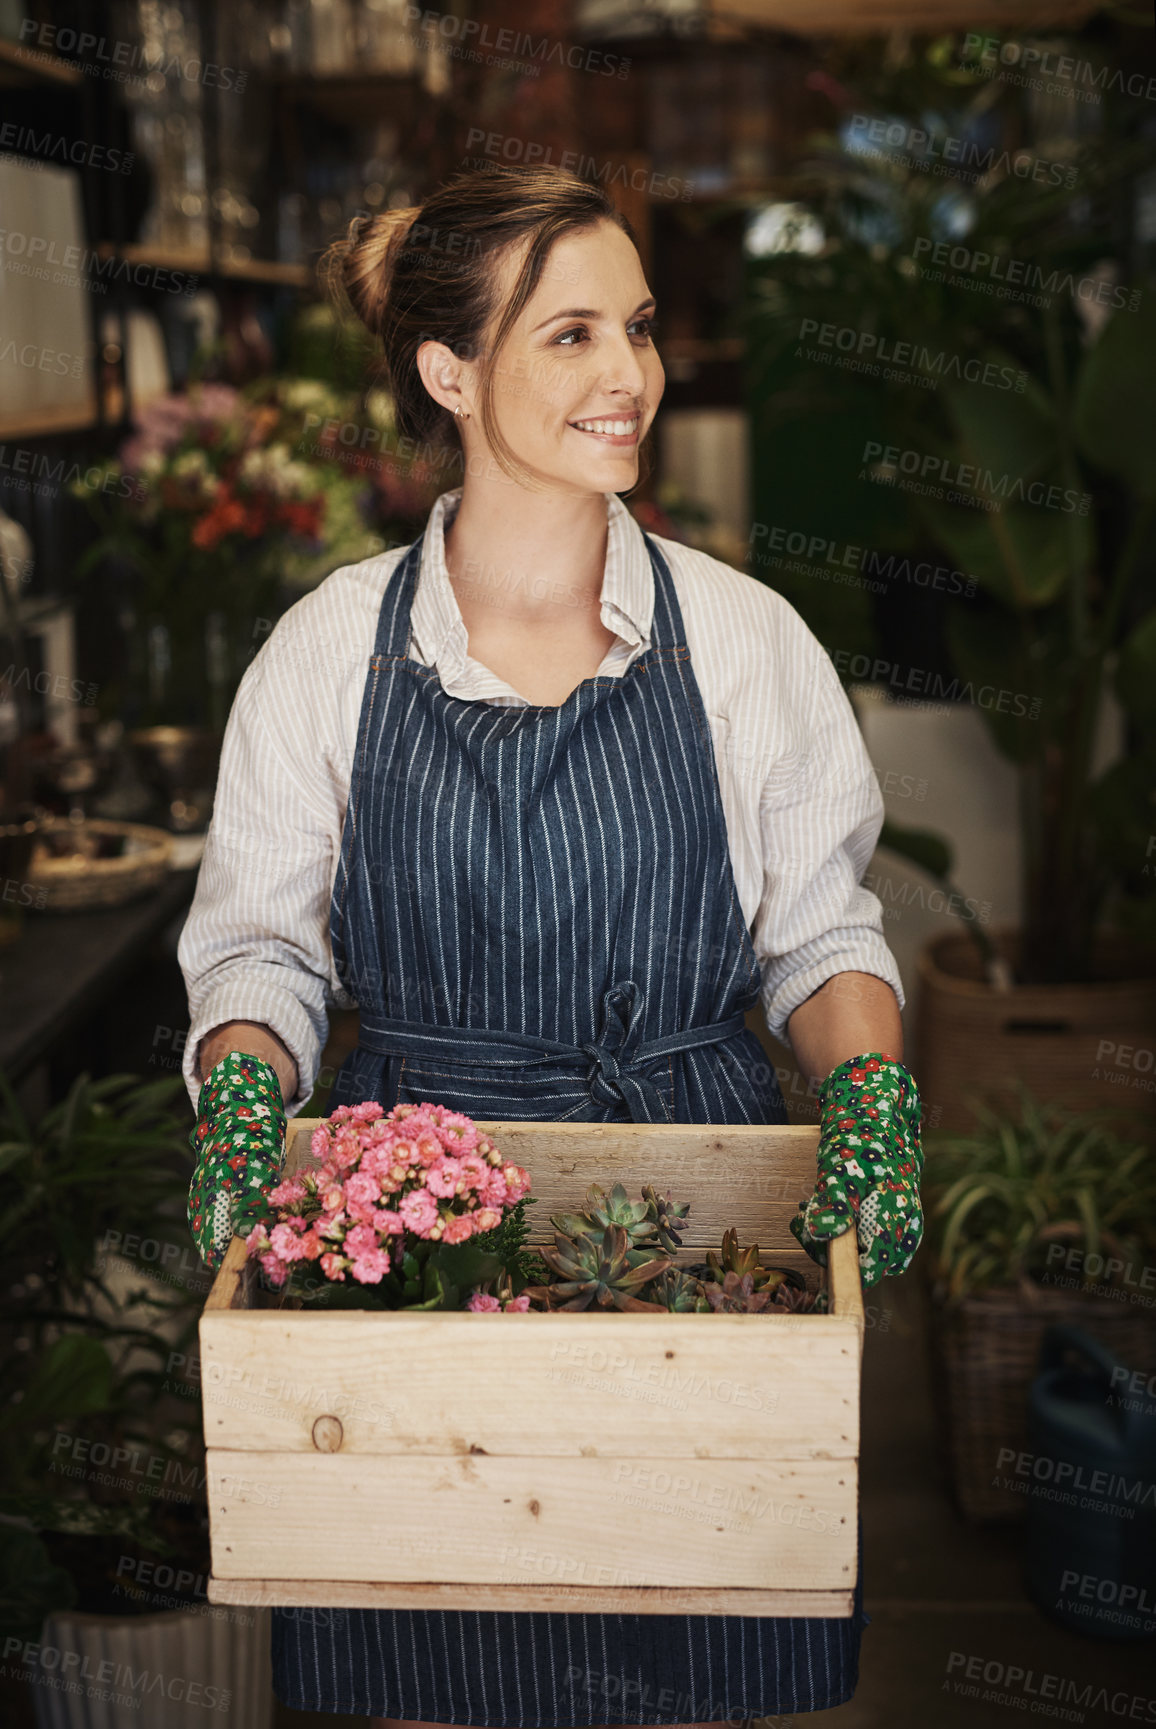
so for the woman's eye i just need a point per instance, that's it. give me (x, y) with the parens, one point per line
(645, 326)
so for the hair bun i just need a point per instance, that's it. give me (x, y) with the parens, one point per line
(361, 265)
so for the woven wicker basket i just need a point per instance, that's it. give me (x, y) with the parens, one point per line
(985, 1352)
(1088, 1045)
(76, 884)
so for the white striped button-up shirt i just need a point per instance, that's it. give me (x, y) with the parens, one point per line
(800, 798)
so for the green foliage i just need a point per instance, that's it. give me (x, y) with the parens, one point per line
(998, 1198)
(1063, 444)
(78, 1356)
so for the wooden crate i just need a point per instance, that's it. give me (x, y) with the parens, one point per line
(587, 1462)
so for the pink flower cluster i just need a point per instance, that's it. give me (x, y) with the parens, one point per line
(419, 1172)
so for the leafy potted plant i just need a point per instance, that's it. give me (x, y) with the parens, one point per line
(1046, 1215)
(103, 1524)
(910, 404)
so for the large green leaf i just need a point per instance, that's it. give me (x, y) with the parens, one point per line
(1003, 432)
(1021, 554)
(994, 660)
(1114, 419)
(74, 1376)
(1136, 674)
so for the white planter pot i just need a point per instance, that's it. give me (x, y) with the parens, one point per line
(180, 1669)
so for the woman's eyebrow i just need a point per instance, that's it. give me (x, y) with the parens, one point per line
(590, 312)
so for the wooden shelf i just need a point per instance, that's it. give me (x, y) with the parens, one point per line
(42, 423)
(198, 262)
(20, 65)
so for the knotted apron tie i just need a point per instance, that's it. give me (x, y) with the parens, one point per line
(614, 1064)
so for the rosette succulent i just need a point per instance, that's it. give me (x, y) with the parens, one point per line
(598, 1270)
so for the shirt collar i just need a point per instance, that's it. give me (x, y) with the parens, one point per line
(627, 586)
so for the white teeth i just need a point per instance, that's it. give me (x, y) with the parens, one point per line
(612, 426)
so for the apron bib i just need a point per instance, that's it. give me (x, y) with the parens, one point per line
(535, 910)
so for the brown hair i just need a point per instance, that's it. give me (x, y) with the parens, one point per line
(426, 273)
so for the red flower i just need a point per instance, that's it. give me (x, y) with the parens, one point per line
(303, 519)
(846, 1122)
(872, 1065)
(857, 1075)
(225, 517)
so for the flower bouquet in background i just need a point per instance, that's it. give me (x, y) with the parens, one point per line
(411, 1209)
(219, 513)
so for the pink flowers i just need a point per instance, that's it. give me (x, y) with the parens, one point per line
(482, 1304)
(380, 1186)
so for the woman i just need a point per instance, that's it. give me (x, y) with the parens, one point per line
(555, 802)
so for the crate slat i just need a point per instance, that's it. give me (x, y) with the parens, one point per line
(496, 1521)
(752, 1177)
(711, 1386)
(561, 1599)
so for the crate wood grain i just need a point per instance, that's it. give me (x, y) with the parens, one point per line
(601, 1462)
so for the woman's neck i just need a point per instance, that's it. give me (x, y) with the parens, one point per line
(528, 551)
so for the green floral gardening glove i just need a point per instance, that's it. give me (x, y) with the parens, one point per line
(239, 1140)
(870, 1162)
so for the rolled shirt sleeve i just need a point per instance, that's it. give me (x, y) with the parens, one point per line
(255, 946)
(820, 815)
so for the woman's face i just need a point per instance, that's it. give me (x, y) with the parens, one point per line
(578, 380)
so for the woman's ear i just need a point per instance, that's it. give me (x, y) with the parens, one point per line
(444, 376)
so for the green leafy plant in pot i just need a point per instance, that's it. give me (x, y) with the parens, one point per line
(98, 1453)
(1039, 1215)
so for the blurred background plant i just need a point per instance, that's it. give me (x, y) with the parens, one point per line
(1059, 615)
(999, 1197)
(86, 1346)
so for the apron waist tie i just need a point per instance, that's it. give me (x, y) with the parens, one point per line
(613, 1062)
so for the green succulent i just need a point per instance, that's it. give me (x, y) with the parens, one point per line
(601, 1271)
(677, 1291)
(741, 1262)
(736, 1295)
(605, 1210)
(668, 1217)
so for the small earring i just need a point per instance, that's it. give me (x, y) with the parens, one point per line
(458, 410)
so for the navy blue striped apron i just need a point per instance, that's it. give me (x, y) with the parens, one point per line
(536, 913)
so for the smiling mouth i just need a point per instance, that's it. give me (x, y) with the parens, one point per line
(621, 429)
